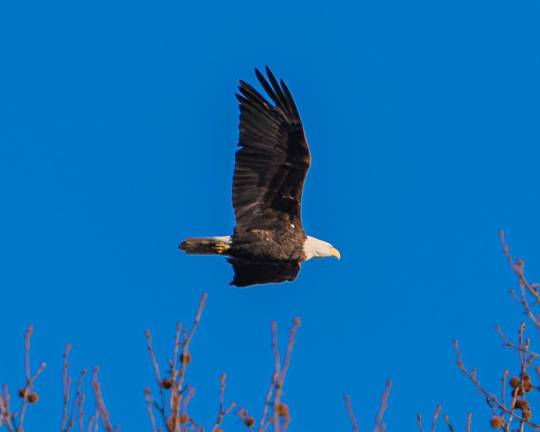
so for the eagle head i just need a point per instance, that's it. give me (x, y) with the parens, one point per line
(315, 248)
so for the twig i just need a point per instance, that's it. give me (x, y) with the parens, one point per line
(490, 398)
(27, 337)
(93, 423)
(525, 287)
(78, 401)
(157, 373)
(379, 426)
(267, 401)
(509, 344)
(105, 417)
(222, 410)
(176, 391)
(503, 386)
(190, 394)
(176, 350)
(283, 372)
(80, 406)
(248, 421)
(435, 417)
(30, 379)
(8, 418)
(66, 380)
(419, 421)
(273, 383)
(350, 411)
(275, 349)
(449, 424)
(149, 406)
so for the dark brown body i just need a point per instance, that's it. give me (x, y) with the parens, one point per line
(268, 245)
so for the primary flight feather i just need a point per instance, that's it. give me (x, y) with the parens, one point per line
(272, 161)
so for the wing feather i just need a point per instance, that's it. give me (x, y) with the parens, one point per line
(273, 156)
(248, 273)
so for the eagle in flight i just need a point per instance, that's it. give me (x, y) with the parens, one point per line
(269, 242)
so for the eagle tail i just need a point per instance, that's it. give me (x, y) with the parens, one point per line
(206, 245)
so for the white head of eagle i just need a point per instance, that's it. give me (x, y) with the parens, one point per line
(269, 243)
(315, 248)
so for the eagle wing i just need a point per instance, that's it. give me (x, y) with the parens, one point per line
(273, 158)
(248, 273)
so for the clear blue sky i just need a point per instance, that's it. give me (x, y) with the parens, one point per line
(118, 127)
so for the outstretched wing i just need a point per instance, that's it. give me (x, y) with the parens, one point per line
(273, 158)
(251, 273)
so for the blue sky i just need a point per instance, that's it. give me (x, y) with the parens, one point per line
(118, 127)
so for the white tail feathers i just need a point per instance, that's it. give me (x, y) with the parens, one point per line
(206, 245)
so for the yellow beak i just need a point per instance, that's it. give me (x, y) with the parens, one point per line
(335, 253)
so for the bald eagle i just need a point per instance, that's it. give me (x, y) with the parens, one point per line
(269, 242)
